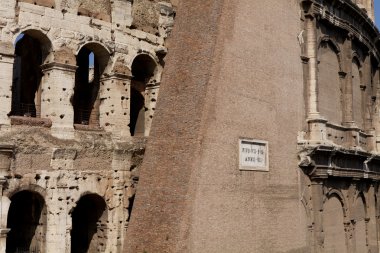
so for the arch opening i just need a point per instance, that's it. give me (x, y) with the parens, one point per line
(31, 51)
(27, 223)
(89, 220)
(329, 84)
(92, 60)
(333, 226)
(360, 224)
(143, 70)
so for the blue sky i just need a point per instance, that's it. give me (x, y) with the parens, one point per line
(377, 12)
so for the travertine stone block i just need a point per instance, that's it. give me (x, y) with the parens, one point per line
(57, 91)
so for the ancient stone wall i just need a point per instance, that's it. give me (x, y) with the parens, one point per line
(339, 148)
(316, 99)
(69, 159)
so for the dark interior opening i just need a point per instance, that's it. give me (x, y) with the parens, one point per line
(87, 83)
(130, 207)
(26, 219)
(88, 233)
(143, 69)
(27, 75)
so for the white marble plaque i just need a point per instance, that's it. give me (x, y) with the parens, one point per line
(253, 155)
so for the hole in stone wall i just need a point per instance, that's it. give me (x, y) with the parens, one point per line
(31, 49)
(130, 207)
(143, 69)
(27, 221)
(91, 61)
(89, 231)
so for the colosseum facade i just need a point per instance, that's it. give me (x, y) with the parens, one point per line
(79, 85)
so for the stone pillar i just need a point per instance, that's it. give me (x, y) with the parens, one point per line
(57, 90)
(6, 154)
(115, 104)
(118, 213)
(56, 226)
(311, 53)
(317, 124)
(151, 96)
(348, 119)
(317, 202)
(6, 79)
(371, 220)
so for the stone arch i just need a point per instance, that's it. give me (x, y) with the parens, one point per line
(333, 45)
(27, 187)
(358, 57)
(333, 223)
(92, 60)
(360, 218)
(337, 193)
(38, 34)
(144, 70)
(357, 91)
(329, 83)
(100, 50)
(89, 224)
(27, 222)
(32, 49)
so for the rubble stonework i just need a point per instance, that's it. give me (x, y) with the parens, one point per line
(301, 76)
(81, 94)
(79, 85)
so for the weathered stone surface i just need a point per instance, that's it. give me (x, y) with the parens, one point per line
(234, 69)
(81, 91)
(75, 164)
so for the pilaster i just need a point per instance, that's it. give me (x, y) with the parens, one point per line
(151, 96)
(56, 221)
(57, 90)
(115, 104)
(311, 53)
(6, 78)
(6, 155)
(348, 118)
(317, 198)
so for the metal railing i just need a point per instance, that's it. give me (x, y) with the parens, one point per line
(83, 116)
(26, 110)
(28, 250)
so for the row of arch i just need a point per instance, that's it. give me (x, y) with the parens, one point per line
(33, 49)
(27, 221)
(336, 224)
(336, 86)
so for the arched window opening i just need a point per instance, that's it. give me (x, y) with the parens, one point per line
(329, 86)
(360, 225)
(333, 226)
(27, 223)
(357, 90)
(31, 50)
(89, 220)
(92, 60)
(143, 69)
